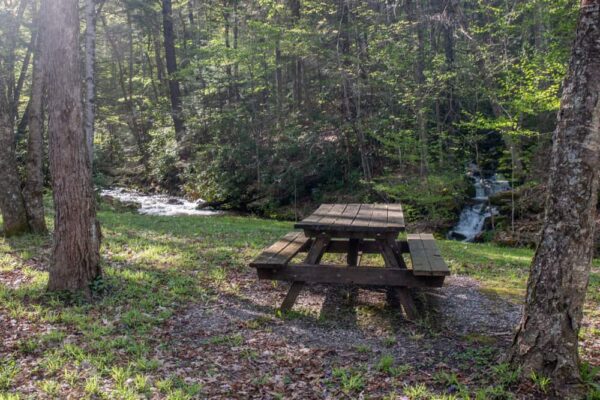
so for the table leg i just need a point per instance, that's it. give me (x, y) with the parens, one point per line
(353, 259)
(393, 259)
(291, 296)
(314, 257)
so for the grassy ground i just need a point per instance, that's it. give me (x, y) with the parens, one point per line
(155, 267)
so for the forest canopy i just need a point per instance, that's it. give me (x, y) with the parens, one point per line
(277, 99)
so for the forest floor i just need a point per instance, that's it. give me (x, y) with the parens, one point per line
(179, 315)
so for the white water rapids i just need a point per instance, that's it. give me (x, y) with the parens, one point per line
(158, 204)
(473, 216)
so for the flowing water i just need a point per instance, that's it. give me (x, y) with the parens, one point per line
(158, 204)
(472, 218)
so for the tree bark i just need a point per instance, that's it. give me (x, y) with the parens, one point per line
(12, 204)
(11, 199)
(33, 191)
(547, 338)
(174, 89)
(75, 254)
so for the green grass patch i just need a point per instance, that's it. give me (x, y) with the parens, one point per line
(155, 266)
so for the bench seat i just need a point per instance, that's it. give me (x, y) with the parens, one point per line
(281, 252)
(425, 255)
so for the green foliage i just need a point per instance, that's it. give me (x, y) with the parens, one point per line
(350, 381)
(506, 374)
(540, 381)
(281, 107)
(8, 371)
(435, 197)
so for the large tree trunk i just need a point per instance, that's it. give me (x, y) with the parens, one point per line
(34, 186)
(174, 89)
(547, 338)
(75, 255)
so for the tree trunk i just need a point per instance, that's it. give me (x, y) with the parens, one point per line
(297, 64)
(174, 89)
(11, 199)
(90, 85)
(12, 204)
(547, 338)
(33, 192)
(75, 254)
(414, 14)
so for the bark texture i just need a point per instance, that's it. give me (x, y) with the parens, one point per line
(547, 338)
(75, 255)
(33, 191)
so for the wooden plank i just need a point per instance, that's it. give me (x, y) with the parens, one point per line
(395, 216)
(340, 246)
(379, 217)
(333, 215)
(354, 218)
(350, 275)
(420, 262)
(282, 251)
(319, 214)
(436, 262)
(426, 257)
(348, 215)
(363, 218)
(353, 232)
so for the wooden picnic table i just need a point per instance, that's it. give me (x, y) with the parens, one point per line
(354, 230)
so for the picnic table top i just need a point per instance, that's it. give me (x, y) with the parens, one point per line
(364, 218)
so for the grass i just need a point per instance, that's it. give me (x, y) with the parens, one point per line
(153, 267)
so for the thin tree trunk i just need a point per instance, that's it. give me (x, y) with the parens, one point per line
(547, 338)
(137, 127)
(278, 83)
(12, 204)
(75, 254)
(90, 85)
(11, 199)
(33, 192)
(174, 89)
(297, 65)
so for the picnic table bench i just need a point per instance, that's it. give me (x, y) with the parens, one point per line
(354, 230)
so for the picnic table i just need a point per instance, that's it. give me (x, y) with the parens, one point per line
(354, 230)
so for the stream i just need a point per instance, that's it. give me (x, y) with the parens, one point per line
(158, 204)
(472, 218)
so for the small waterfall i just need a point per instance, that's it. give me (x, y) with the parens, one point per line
(473, 216)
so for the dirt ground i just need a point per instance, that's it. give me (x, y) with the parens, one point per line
(238, 348)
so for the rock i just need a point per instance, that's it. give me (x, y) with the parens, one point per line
(120, 206)
(174, 202)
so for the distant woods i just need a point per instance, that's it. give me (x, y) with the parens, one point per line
(270, 103)
(242, 101)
